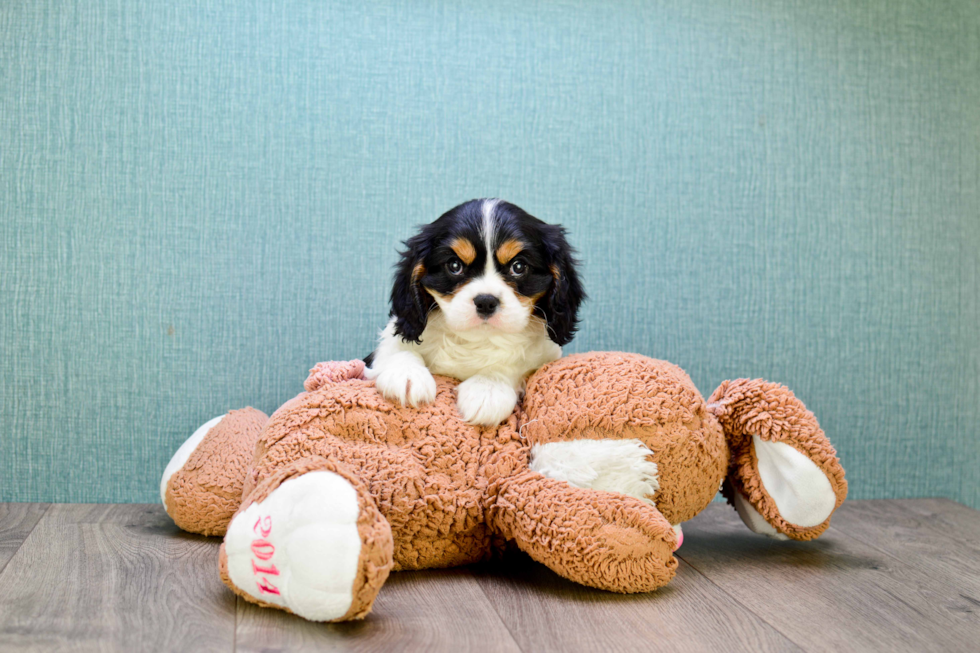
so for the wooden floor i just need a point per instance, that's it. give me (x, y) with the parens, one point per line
(888, 576)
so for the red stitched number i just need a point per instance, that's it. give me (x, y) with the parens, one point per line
(264, 550)
(272, 571)
(263, 526)
(266, 586)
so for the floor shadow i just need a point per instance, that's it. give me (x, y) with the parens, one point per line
(741, 548)
(524, 575)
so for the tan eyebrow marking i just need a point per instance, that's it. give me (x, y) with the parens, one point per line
(464, 250)
(439, 295)
(509, 250)
(529, 302)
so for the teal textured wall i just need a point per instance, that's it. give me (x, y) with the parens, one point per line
(199, 200)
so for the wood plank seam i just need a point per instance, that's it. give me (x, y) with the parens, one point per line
(21, 545)
(742, 605)
(953, 504)
(872, 546)
(501, 619)
(898, 561)
(112, 577)
(496, 613)
(847, 589)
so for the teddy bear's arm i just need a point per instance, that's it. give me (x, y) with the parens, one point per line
(784, 478)
(601, 539)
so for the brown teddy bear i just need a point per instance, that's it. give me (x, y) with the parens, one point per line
(592, 476)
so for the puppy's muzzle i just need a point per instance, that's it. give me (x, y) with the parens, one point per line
(486, 305)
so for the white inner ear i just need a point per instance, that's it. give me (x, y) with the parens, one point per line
(611, 465)
(801, 491)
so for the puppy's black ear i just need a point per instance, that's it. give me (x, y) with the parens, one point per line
(410, 303)
(560, 305)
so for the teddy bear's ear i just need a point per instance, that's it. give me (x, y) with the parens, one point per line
(784, 478)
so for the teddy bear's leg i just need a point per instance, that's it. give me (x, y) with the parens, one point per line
(784, 478)
(601, 539)
(309, 539)
(202, 485)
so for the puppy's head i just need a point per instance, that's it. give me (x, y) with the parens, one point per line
(489, 265)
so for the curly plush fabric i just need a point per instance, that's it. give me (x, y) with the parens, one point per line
(600, 539)
(330, 372)
(435, 491)
(206, 494)
(422, 465)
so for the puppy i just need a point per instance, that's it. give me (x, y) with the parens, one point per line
(486, 294)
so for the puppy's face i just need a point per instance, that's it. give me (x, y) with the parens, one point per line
(489, 265)
(486, 271)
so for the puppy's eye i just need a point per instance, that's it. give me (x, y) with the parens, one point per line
(455, 267)
(518, 268)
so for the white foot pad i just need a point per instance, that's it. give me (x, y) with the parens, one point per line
(801, 491)
(299, 547)
(183, 453)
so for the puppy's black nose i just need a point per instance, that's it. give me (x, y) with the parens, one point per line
(486, 305)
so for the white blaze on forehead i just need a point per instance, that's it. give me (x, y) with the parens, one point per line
(487, 229)
(460, 311)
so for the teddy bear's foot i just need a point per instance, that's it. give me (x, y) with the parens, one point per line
(310, 541)
(179, 459)
(784, 478)
(201, 487)
(798, 490)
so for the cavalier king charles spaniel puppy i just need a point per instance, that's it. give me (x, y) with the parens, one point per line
(486, 294)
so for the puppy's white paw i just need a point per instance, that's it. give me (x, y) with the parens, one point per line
(409, 383)
(484, 401)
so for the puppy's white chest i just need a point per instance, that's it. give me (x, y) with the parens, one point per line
(463, 355)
